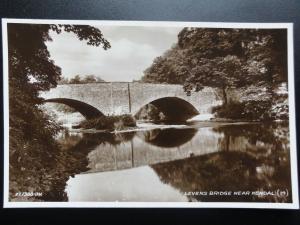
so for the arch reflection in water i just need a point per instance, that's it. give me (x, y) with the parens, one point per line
(167, 138)
(248, 162)
(252, 157)
(137, 152)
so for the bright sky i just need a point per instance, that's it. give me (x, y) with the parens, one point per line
(132, 51)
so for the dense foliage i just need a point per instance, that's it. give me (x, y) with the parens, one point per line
(170, 68)
(223, 59)
(109, 122)
(32, 145)
(248, 110)
(150, 113)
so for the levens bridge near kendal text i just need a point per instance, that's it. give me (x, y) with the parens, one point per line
(116, 98)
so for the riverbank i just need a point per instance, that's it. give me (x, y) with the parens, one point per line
(147, 126)
(108, 123)
(200, 142)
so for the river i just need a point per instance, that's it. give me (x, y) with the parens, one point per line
(197, 161)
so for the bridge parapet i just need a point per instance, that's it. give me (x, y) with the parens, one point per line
(115, 98)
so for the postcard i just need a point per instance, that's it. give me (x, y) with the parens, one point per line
(149, 114)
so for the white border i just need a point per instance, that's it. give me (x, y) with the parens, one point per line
(292, 122)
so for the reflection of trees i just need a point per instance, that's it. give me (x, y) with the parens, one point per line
(73, 154)
(268, 140)
(224, 171)
(72, 159)
(268, 133)
(32, 148)
(167, 137)
(91, 140)
(263, 165)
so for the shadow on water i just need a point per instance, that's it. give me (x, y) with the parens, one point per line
(73, 160)
(248, 157)
(167, 138)
(253, 158)
(78, 153)
(76, 149)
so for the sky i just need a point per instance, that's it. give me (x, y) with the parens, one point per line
(133, 49)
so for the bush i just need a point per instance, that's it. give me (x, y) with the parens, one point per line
(109, 122)
(150, 113)
(249, 110)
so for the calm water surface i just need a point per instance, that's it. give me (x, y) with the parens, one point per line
(176, 163)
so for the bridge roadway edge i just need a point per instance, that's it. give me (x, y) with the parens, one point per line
(115, 98)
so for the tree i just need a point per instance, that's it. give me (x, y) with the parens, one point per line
(219, 72)
(30, 71)
(92, 79)
(229, 58)
(161, 71)
(223, 58)
(169, 68)
(89, 79)
(84, 79)
(75, 80)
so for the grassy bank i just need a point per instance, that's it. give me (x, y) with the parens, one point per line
(109, 123)
(252, 111)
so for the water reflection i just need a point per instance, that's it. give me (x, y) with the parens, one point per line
(138, 152)
(167, 138)
(249, 157)
(118, 186)
(226, 171)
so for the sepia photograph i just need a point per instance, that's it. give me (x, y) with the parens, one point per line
(149, 114)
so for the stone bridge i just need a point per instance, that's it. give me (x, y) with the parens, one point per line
(116, 98)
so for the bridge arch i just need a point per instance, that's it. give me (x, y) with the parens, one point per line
(88, 111)
(174, 108)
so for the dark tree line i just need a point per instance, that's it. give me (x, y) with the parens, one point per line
(31, 70)
(223, 58)
(77, 79)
